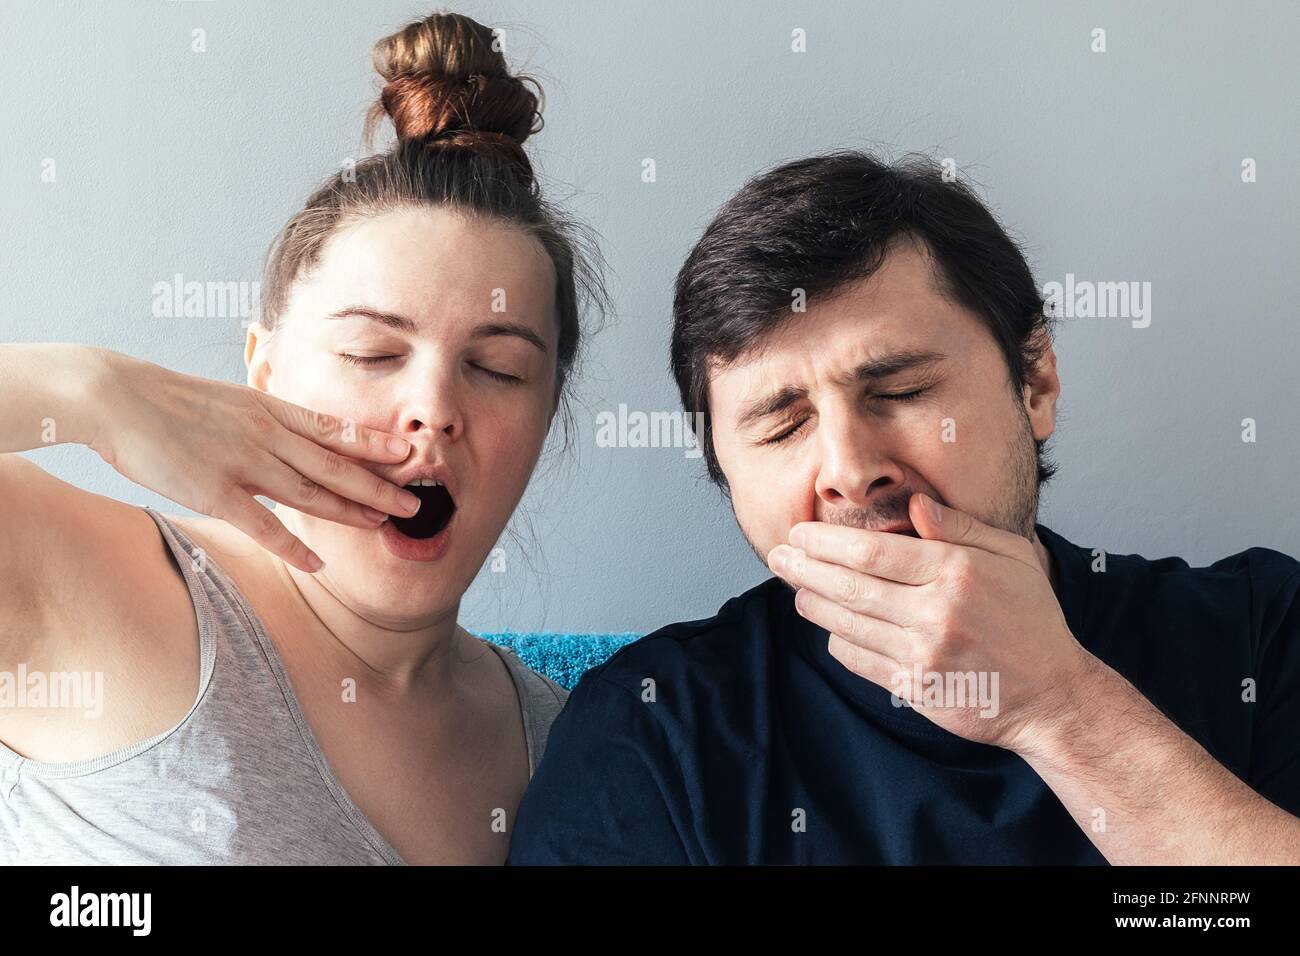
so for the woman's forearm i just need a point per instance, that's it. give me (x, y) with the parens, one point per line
(51, 393)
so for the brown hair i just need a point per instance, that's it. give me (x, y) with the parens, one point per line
(461, 119)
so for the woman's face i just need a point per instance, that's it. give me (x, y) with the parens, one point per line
(437, 327)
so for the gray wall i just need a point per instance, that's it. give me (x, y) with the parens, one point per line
(1123, 165)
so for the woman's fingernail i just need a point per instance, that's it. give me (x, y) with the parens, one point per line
(398, 447)
(314, 562)
(374, 514)
(411, 502)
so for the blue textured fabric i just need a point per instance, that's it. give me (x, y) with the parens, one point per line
(562, 657)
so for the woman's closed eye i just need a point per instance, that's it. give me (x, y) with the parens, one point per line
(370, 361)
(364, 360)
(493, 373)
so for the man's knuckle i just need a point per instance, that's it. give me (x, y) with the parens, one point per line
(798, 563)
(849, 624)
(942, 625)
(959, 574)
(863, 554)
(850, 653)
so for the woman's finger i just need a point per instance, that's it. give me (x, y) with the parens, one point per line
(340, 435)
(343, 476)
(261, 524)
(275, 480)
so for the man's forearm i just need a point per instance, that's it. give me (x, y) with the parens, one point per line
(1146, 793)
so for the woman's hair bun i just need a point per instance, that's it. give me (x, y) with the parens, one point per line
(447, 83)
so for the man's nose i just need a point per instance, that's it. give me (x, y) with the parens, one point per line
(856, 466)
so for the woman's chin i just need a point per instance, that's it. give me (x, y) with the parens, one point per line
(381, 586)
(384, 564)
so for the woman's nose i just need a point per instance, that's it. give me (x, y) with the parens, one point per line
(431, 405)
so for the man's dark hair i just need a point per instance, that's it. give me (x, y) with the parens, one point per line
(819, 223)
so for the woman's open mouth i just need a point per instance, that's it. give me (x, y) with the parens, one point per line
(436, 509)
(424, 536)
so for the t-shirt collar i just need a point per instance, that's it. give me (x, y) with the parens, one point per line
(1073, 565)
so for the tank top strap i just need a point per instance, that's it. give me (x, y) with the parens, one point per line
(191, 560)
(540, 701)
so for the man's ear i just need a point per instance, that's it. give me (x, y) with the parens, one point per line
(1042, 388)
(257, 357)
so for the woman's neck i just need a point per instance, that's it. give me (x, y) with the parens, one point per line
(393, 658)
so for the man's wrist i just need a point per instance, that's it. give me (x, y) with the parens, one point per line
(1076, 716)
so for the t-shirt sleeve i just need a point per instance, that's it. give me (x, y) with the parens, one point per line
(1275, 751)
(606, 788)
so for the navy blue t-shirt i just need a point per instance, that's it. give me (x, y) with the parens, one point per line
(753, 745)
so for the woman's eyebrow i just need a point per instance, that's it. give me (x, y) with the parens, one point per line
(403, 324)
(489, 329)
(400, 323)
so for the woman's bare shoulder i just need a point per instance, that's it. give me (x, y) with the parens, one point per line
(104, 599)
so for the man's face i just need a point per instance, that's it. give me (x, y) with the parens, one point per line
(850, 444)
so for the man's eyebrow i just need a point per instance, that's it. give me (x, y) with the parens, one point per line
(870, 370)
(489, 329)
(761, 408)
(893, 363)
(398, 322)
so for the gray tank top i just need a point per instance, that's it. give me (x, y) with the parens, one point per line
(239, 780)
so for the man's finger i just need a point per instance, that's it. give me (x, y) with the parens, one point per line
(869, 632)
(867, 664)
(936, 522)
(850, 589)
(884, 554)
